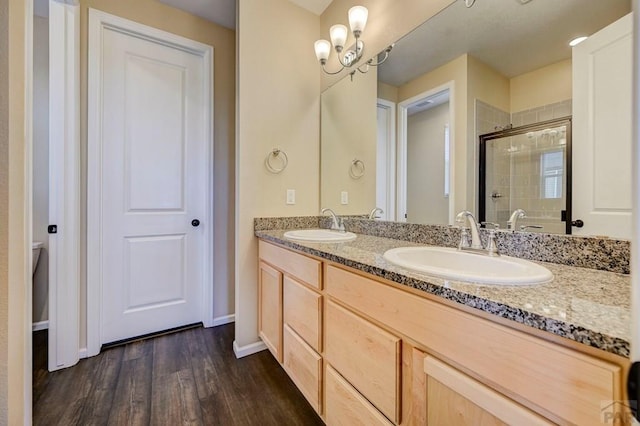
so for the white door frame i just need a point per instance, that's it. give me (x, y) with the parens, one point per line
(98, 23)
(635, 222)
(403, 108)
(389, 208)
(64, 184)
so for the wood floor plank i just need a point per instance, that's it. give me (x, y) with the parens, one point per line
(187, 378)
(132, 402)
(104, 383)
(174, 400)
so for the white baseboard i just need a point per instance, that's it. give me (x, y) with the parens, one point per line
(83, 353)
(226, 319)
(42, 325)
(242, 351)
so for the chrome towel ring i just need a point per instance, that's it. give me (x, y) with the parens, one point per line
(357, 169)
(276, 161)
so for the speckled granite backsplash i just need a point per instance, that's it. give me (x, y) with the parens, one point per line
(604, 254)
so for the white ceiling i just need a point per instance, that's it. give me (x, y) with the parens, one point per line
(314, 6)
(510, 37)
(223, 12)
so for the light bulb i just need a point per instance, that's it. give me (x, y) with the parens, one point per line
(322, 48)
(338, 34)
(358, 19)
(576, 41)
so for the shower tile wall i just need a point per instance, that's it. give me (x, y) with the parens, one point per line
(543, 113)
(490, 119)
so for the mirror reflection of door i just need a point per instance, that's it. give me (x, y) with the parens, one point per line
(427, 154)
(425, 193)
(527, 168)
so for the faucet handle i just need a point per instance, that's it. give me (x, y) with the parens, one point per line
(464, 238)
(490, 225)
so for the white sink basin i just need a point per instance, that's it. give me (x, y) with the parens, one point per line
(463, 266)
(320, 235)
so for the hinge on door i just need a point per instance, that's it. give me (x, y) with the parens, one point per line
(52, 229)
(633, 382)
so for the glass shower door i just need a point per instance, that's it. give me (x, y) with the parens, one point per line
(527, 168)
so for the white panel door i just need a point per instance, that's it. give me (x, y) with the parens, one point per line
(601, 143)
(154, 174)
(385, 159)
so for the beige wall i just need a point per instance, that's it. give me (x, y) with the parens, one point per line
(543, 86)
(426, 202)
(388, 92)
(487, 85)
(41, 164)
(456, 72)
(278, 106)
(388, 22)
(348, 132)
(15, 214)
(4, 212)
(158, 15)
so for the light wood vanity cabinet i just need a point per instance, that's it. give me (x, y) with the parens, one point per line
(270, 308)
(453, 398)
(365, 355)
(365, 350)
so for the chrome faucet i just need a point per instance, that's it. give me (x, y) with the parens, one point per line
(492, 246)
(336, 222)
(512, 223)
(466, 216)
(374, 212)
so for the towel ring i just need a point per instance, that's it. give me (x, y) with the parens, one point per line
(273, 155)
(356, 170)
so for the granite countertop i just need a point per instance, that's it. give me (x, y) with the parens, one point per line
(585, 305)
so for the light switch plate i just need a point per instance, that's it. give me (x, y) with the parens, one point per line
(291, 196)
(344, 198)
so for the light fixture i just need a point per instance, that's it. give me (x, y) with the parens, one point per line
(339, 34)
(576, 41)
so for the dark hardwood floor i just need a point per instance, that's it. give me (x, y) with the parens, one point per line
(191, 377)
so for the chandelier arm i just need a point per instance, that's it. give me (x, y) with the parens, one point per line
(386, 56)
(364, 65)
(324, 68)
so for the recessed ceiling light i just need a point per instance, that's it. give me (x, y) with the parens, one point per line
(576, 41)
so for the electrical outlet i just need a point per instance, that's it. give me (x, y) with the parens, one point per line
(344, 197)
(291, 196)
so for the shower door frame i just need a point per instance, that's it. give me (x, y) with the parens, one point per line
(514, 131)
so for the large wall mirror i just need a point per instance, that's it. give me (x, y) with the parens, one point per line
(405, 137)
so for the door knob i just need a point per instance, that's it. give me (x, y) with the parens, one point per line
(195, 223)
(577, 223)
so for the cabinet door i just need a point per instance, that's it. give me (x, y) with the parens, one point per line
(270, 309)
(302, 312)
(455, 399)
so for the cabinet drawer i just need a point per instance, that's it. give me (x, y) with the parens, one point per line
(560, 383)
(304, 366)
(345, 406)
(303, 312)
(297, 265)
(367, 356)
(270, 309)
